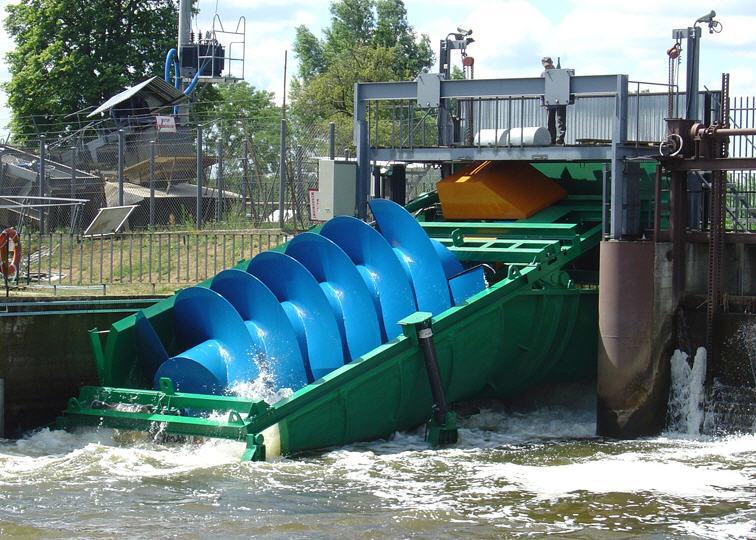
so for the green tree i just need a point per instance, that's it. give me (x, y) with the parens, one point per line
(367, 40)
(242, 112)
(70, 55)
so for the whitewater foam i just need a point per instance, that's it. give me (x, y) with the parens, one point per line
(685, 410)
(264, 387)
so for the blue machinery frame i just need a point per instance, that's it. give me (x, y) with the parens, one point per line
(617, 153)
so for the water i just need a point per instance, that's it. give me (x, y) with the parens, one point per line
(529, 471)
(685, 413)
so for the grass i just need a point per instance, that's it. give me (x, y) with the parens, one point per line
(133, 263)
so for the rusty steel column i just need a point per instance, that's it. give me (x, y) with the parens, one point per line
(657, 202)
(677, 224)
(631, 384)
(717, 210)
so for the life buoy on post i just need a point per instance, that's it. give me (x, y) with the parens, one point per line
(10, 242)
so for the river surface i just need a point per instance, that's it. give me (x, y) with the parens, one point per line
(530, 471)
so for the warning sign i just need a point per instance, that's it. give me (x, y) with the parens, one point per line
(314, 204)
(166, 124)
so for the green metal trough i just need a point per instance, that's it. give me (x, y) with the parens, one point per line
(533, 324)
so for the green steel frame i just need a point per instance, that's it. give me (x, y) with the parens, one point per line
(533, 324)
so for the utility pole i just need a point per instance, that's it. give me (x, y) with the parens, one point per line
(184, 39)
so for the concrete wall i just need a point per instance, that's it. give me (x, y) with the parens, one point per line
(738, 269)
(45, 357)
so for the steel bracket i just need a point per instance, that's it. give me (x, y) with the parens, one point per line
(255, 450)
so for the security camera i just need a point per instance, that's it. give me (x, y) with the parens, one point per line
(464, 31)
(707, 19)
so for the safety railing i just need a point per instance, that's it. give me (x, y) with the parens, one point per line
(136, 262)
(401, 124)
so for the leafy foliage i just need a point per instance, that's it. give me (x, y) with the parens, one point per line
(70, 55)
(242, 112)
(367, 40)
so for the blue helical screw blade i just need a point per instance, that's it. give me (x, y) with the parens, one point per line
(150, 350)
(346, 292)
(268, 327)
(379, 268)
(467, 283)
(307, 308)
(416, 253)
(449, 262)
(215, 343)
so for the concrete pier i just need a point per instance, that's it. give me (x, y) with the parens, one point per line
(642, 321)
(636, 323)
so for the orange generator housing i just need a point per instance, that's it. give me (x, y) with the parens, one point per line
(497, 190)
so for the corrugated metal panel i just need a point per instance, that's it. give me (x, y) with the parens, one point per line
(589, 118)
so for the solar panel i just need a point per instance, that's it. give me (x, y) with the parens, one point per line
(108, 220)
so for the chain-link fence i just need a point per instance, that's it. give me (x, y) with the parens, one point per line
(218, 173)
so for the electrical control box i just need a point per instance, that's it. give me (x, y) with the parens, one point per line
(337, 189)
(557, 88)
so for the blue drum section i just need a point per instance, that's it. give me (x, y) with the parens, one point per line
(307, 308)
(276, 349)
(416, 253)
(216, 346)
(346, 292)
(332, 297)
(380, 270)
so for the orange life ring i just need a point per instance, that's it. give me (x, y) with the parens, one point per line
(9, 268)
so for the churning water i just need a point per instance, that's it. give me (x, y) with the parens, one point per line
(530, 471)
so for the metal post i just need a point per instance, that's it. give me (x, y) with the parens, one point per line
(691, 73)
(184, 37)
(694, 188)
(677, 220)
(657, 202)
(121, 149)
(73, 187)
(363, 169)
(245, 177)
(296, 185)
(152, 184)
(442, 428)
(332, 140)
(361, 141)
(184, 23)
(2, 170)
(377, 191)
(2, 408)
(619, 138)
(282, 174)
(42, 180)
(399, 184)
(200, 173)
(219, 179)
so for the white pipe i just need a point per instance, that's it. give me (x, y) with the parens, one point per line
(531, 136)
(487, 137)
